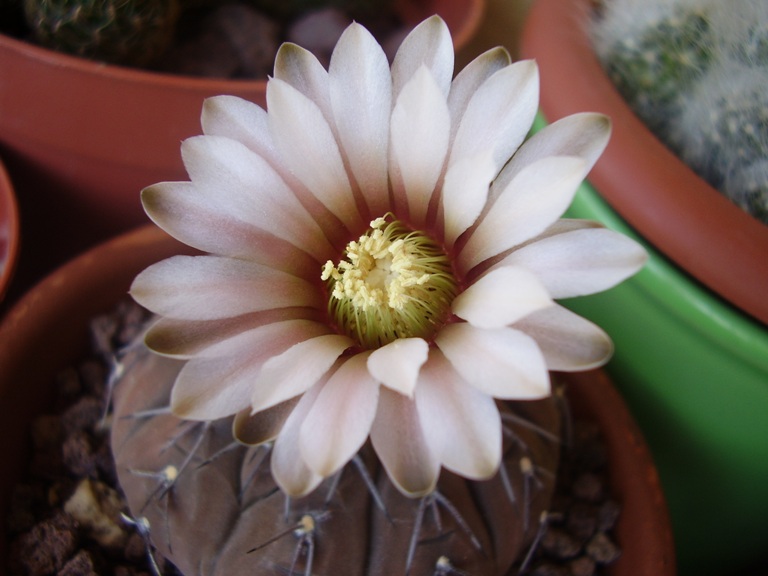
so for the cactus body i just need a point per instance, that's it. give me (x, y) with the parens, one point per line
(727, 125)
(212, 507)
(653, 68)
(131, 32)
(695, 72)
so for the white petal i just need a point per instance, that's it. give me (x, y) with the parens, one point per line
(469, 79)
(580, 262)
(244, 121)
(218, 382)
(465, 192)
(302, 70)
(568, 341)
(185, 213)
(263, 342)
(239, 119)
(290, 472)
(361, 94)
(428, 44)
(339, 421)
(562, 226)
(460, 422)
(195, 397)
(296, 370)
(499, 114)
(399, 441)
(255, 429)
(309, 149)
(210, 287)
(531, 202)
(501, 297)
(187, 338)
(242, 184)
(582, 135)
(502, 362)
(420, 129)
(397, 364)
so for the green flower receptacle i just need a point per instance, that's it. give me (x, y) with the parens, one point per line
(694, 372)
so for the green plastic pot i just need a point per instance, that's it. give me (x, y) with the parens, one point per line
(694, 372)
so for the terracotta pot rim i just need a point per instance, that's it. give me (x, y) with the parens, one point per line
(689, 221)
(48, 57)
(462, 32)
(9, 220)
(69, 295)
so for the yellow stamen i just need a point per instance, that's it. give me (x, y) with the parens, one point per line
(395, 283)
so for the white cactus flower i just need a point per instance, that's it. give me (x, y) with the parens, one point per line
(384, 251)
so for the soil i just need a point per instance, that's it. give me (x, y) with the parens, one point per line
(68, 517)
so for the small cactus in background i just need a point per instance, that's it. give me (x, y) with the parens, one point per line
(723, 134)
(131, 32)
(653, 64)
(695, 72)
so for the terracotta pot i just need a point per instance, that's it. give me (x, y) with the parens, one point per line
(47, 330)
(82, 138)
(691, 341)
(9, 230)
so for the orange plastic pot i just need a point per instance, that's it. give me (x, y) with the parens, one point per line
(47, 331)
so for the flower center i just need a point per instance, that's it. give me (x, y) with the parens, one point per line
(393, 283)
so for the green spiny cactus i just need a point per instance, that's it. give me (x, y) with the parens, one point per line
(131, 32)
(695, 72)
(754, 49)
(210, 505)
(726, 130)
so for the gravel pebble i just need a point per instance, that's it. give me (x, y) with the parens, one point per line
(589, 487)
(578, 540)
(602, 549)
(81, 564)
(46, 548)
